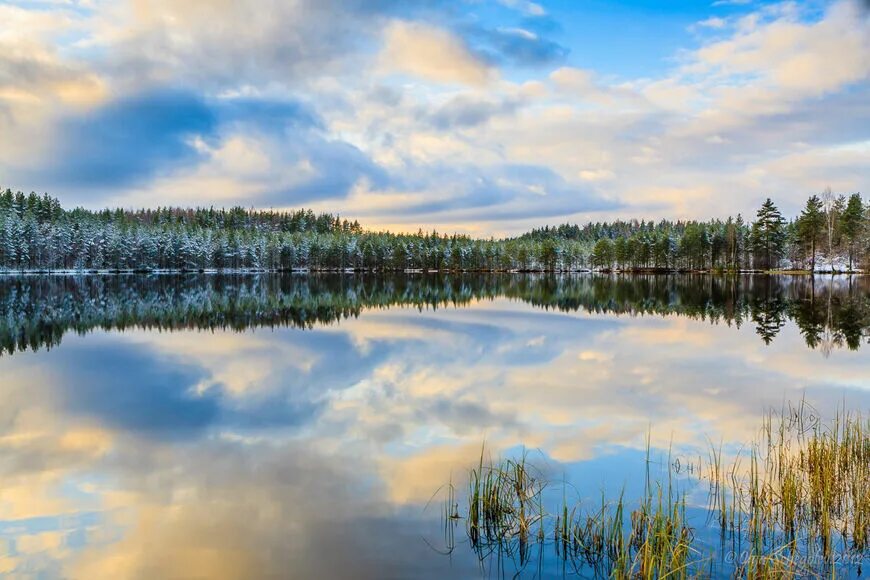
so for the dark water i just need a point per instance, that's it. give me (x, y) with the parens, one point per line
(294, 426)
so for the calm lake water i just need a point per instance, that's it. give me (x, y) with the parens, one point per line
(297, 426)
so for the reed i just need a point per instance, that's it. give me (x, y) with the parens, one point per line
(797, 498)
(505, 512)
(805, 497)
(504, 504)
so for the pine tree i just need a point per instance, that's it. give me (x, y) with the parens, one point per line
(811, 224)
(853, 224)
(602, 254)
(768, 234)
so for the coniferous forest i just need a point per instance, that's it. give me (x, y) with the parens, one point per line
(38, 234)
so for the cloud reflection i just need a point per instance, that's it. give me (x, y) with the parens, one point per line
(312, 451)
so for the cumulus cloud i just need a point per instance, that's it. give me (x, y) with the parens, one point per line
(713, 22)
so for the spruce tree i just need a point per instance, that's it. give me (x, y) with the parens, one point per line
(811, 225)
(768, 234)
(853, 224)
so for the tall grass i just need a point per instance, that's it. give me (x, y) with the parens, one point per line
(505, 512)
(806, 493)
(793, 502)
(504, 503)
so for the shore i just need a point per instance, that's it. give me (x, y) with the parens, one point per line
(173, 271)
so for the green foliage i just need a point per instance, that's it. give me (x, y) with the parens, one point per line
(602, 254)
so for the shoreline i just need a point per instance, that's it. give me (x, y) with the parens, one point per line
(252, 271)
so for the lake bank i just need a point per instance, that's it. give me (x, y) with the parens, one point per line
(230, 271)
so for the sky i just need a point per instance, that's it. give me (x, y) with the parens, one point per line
(486, 117)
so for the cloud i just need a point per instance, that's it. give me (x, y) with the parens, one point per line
(519, 46)
(431, 53)
(269, 169)
(411, 113)
(463, 111)
(713, 22)
(526, 7)
(803, 58)
(499, 192)
(275, 151)
(28, 71)
(279, 42)
(129, 140)
(270, 115)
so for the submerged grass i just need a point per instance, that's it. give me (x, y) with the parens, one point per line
(794, 503)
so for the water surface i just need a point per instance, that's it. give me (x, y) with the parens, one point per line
(291, 425)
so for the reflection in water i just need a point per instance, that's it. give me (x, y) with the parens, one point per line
(37, 311)
(306, 448)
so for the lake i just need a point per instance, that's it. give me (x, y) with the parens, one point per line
(243, 426)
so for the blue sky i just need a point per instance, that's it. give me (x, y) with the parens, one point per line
(480, 116)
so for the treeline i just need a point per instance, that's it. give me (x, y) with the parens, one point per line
(36, 311)
(38, 234)
(830, 226)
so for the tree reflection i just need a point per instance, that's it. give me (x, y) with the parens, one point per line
(36, 311)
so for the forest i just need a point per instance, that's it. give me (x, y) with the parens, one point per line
(37, 233)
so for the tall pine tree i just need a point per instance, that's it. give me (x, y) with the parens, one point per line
(768, 235)
(853, 224)
(811, 225)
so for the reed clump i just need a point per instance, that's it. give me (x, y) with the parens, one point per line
(656, 541)
(506, 512)
(795, 502)
(504, 504)
(805, 496)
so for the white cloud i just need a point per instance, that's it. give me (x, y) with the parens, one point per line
(432, 54)
(713, 22)
(525, 6)
(805, 59)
